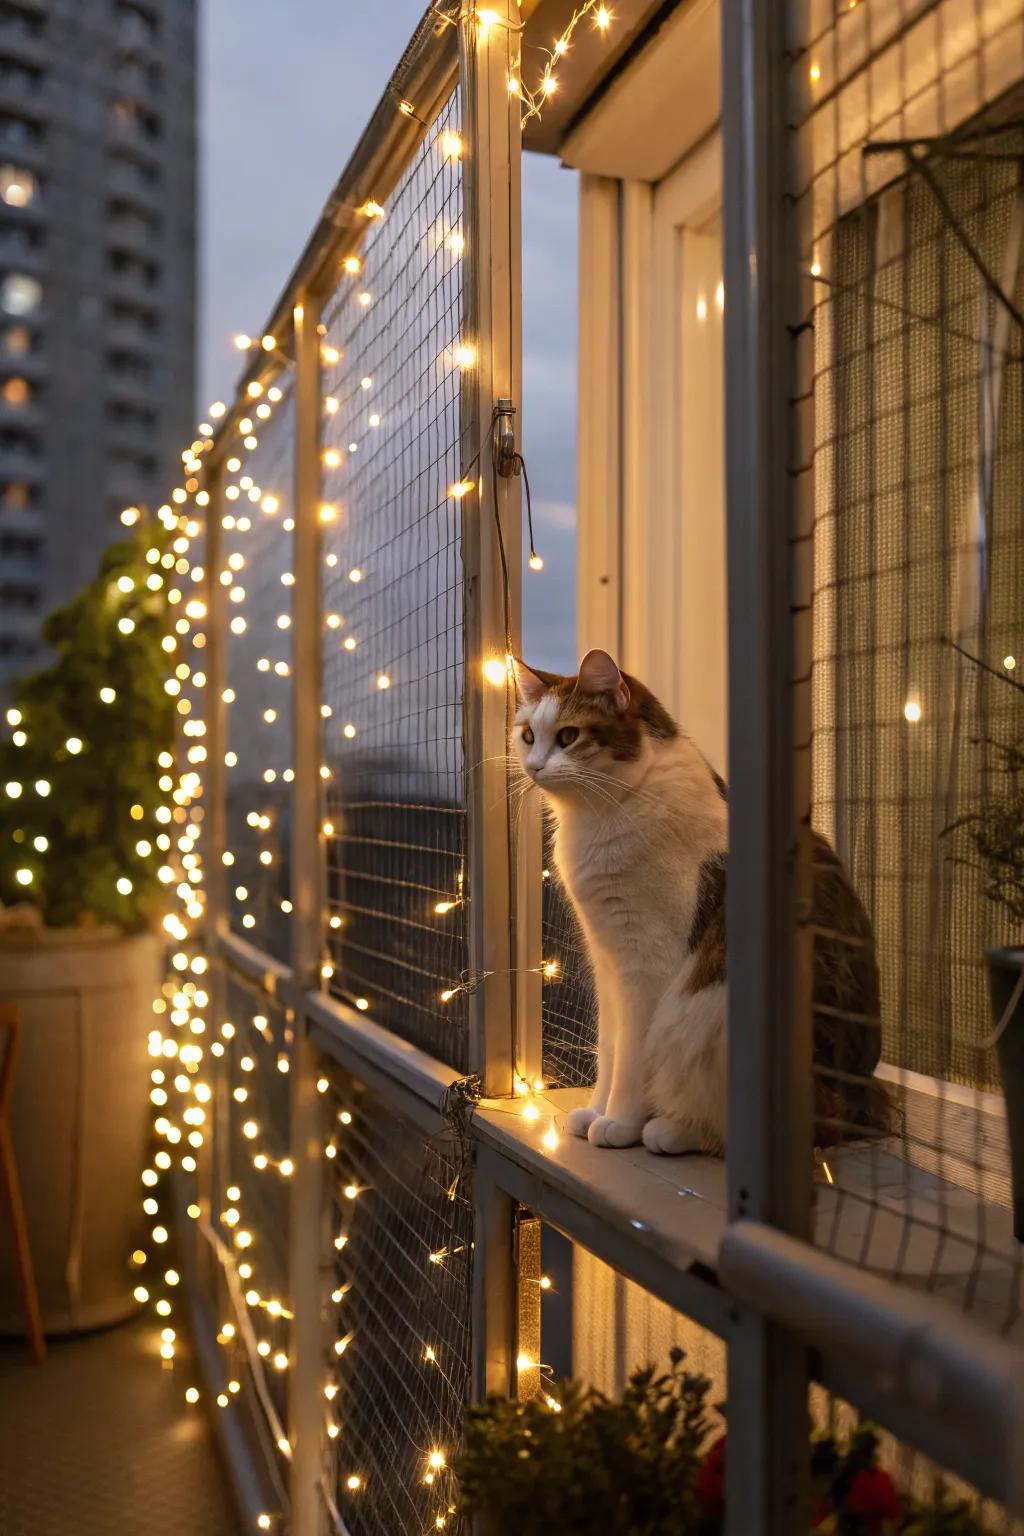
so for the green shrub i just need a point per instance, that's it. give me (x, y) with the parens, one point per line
(649, 1465)
(73, 819)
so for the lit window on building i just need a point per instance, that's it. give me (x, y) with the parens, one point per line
(20, 294)
(17, 340)
(16, 495)
(17, 186)
(16, 392)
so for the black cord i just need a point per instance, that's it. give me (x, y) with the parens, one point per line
(529, 504)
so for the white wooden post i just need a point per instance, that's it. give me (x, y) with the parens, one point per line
(492, 309)
(305, 1417)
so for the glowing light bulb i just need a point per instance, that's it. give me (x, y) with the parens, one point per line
(912, 711)
(536, 562)
(602, 18)
(495, 671)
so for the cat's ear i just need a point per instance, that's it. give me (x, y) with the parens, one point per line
(530, 688)
(599, 674)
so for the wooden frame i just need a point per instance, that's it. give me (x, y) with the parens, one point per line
(703, 1238)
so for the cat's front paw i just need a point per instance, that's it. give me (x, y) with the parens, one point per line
(606, 1132)
(579, 1120)
(670, 1137)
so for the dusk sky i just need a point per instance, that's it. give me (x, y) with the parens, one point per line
(285, 97)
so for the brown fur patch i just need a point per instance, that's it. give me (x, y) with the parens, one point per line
(619, 731)
(706, 941)
(848, 1098)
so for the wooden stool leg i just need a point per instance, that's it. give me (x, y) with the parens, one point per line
(22, 1251)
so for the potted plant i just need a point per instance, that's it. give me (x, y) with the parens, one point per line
(994, 832)
(574, 1460)
(85, 835)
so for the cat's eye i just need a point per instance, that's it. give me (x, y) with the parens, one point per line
(567, 735)
(527, 735)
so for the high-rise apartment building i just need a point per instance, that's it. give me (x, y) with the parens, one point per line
(97, 285)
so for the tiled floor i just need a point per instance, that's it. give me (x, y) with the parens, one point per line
(98, 1441)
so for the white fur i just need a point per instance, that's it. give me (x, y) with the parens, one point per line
(630, 838)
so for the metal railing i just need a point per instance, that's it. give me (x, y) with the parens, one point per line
(375, 911)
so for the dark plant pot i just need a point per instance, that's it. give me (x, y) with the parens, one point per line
(1004, 971)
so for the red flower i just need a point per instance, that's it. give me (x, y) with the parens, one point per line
(873, 1497)
(709, 1483)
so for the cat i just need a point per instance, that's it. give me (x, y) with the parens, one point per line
(640, 847)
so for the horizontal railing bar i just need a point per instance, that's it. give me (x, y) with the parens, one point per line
(255, 1476)
(244, 1330)
(270, 977)
(416, 1082)
(894, 1344)
(425, 77)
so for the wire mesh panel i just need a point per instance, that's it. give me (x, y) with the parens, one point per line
(569, 1002)
(399, 1366)
(254, 1169)
(393, 641)
(911, 231)
(898, 1478)
(258, 530)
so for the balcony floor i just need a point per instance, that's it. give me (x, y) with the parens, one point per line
(99, 1440)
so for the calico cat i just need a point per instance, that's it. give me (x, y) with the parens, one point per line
(641, 848)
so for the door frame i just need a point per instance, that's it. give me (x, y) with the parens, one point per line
(634, 493)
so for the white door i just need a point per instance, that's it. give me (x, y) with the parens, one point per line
(651, 452)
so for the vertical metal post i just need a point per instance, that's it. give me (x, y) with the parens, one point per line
(214, 840)
(491, 552)
(491, 310)
(769, 1027)
(305, 1419)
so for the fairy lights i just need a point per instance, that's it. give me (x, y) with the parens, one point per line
(171, 828)
(532, 99)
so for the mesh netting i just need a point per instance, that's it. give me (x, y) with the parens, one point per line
(253, 1168)
(922, 1484)
(570, 1004)
(403, 1222)
(258, 533)
(911, 230)
(393, 641)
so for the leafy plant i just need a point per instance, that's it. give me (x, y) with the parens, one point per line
(625, 1468)
(995, 831)
(577, 1461)
(80, 828)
